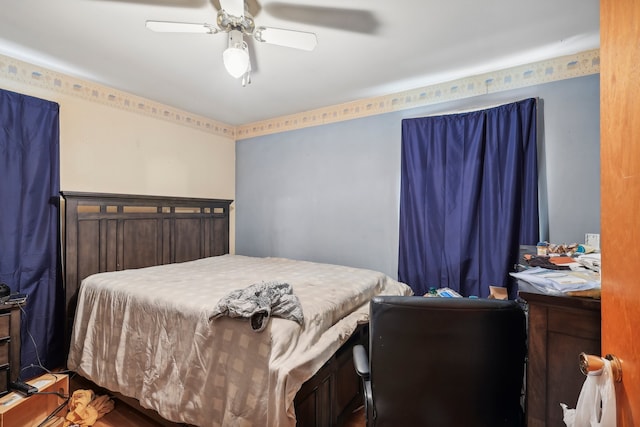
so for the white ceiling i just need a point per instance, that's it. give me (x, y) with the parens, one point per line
(366, 48)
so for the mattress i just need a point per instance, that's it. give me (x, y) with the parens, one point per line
(147, 333)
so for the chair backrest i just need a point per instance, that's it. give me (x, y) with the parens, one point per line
(446, 362)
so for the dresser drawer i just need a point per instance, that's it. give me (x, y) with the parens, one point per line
(4, 352)
(5, 325)
(4, 381)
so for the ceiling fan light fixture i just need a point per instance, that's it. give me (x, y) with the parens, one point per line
(236, 61)
(236, 56)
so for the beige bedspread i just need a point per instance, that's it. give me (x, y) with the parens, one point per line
(146, 334)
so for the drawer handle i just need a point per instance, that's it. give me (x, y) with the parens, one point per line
(591, 364)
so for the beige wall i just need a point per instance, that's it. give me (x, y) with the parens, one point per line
(106, 149)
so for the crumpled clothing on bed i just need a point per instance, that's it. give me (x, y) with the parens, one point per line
(260, 301)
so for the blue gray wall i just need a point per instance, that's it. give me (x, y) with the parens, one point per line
(331, 193)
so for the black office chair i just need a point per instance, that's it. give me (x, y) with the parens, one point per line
(443, 362)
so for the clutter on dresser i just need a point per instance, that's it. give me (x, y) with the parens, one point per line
(559, 269)
(495, 292)
(442, 293)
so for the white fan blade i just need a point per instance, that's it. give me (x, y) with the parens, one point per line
(233, 7)
(289, 38)
(181, 27)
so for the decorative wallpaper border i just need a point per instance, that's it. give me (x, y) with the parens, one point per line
(564, 67)
(33, 75)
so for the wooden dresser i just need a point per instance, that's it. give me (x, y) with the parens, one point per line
(9, 345)
(560, 328)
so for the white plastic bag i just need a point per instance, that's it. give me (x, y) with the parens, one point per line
(596, 405)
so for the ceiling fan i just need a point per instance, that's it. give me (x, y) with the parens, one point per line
(234, 19)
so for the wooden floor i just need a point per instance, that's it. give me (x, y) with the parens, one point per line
(124, 416)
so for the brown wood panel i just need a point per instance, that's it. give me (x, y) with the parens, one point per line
(4, 380)
(111, 250)
(536, 408)
(5, 325)
(190, 234)
(559, 329)
(16, 344)
(314, 408)
(90, 246)
(4, 353)
(136, 236)
(564, 379)
(218, 245)
(580, 323)
(350, 383)
(69, 240)
(620, 195)
(334, 392)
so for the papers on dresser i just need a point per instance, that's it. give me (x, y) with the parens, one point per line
(555, 282)
(590, 261)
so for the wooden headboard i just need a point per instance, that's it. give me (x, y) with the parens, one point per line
(108, 232)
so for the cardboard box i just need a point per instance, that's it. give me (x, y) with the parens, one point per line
(18, 410)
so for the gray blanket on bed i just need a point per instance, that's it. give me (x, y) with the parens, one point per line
(260, 301)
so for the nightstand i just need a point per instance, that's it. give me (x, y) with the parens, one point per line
(9, 345)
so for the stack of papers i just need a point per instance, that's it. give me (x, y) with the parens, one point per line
(555, 282)
(590, 261)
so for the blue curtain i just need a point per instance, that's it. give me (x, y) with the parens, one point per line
(29, 193)
(468, 199)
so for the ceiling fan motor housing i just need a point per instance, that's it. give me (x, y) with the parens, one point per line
(244, 24)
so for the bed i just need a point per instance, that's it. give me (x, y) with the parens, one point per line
(143, 277)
